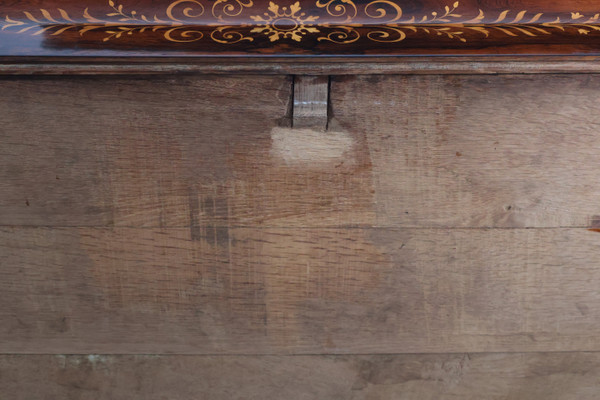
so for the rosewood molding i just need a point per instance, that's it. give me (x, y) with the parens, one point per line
(214, 28)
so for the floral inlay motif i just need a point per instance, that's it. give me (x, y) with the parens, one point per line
(280, 22)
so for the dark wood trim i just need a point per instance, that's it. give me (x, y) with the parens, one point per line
(201, 28)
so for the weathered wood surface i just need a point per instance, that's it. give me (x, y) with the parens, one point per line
(553, 376)
(125, 151)
(183, 215)
(169, 152)
(208, 290)
(503, 151)
(412, 151)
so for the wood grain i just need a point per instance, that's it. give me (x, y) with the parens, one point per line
(553, 376)
(169, 152)
(510, 151)
(401, 151)
(279, 291)
(422, 65)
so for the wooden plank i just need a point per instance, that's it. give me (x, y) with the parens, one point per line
(212, 290)
(550, 376)
(477, 151)
(402, 151)
(165, 152)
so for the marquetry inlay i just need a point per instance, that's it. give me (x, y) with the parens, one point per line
(336, 21)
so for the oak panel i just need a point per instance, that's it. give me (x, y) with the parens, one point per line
(169, 152)
(477, 151)
(279, 291)
(401, 151)
(552, 376)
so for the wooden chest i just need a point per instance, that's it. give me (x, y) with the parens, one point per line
(244, 199)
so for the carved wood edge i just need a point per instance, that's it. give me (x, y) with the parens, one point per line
(306, 28)
(309, 66)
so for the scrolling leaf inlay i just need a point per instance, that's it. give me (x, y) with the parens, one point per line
(379, 21)
(118, 22)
